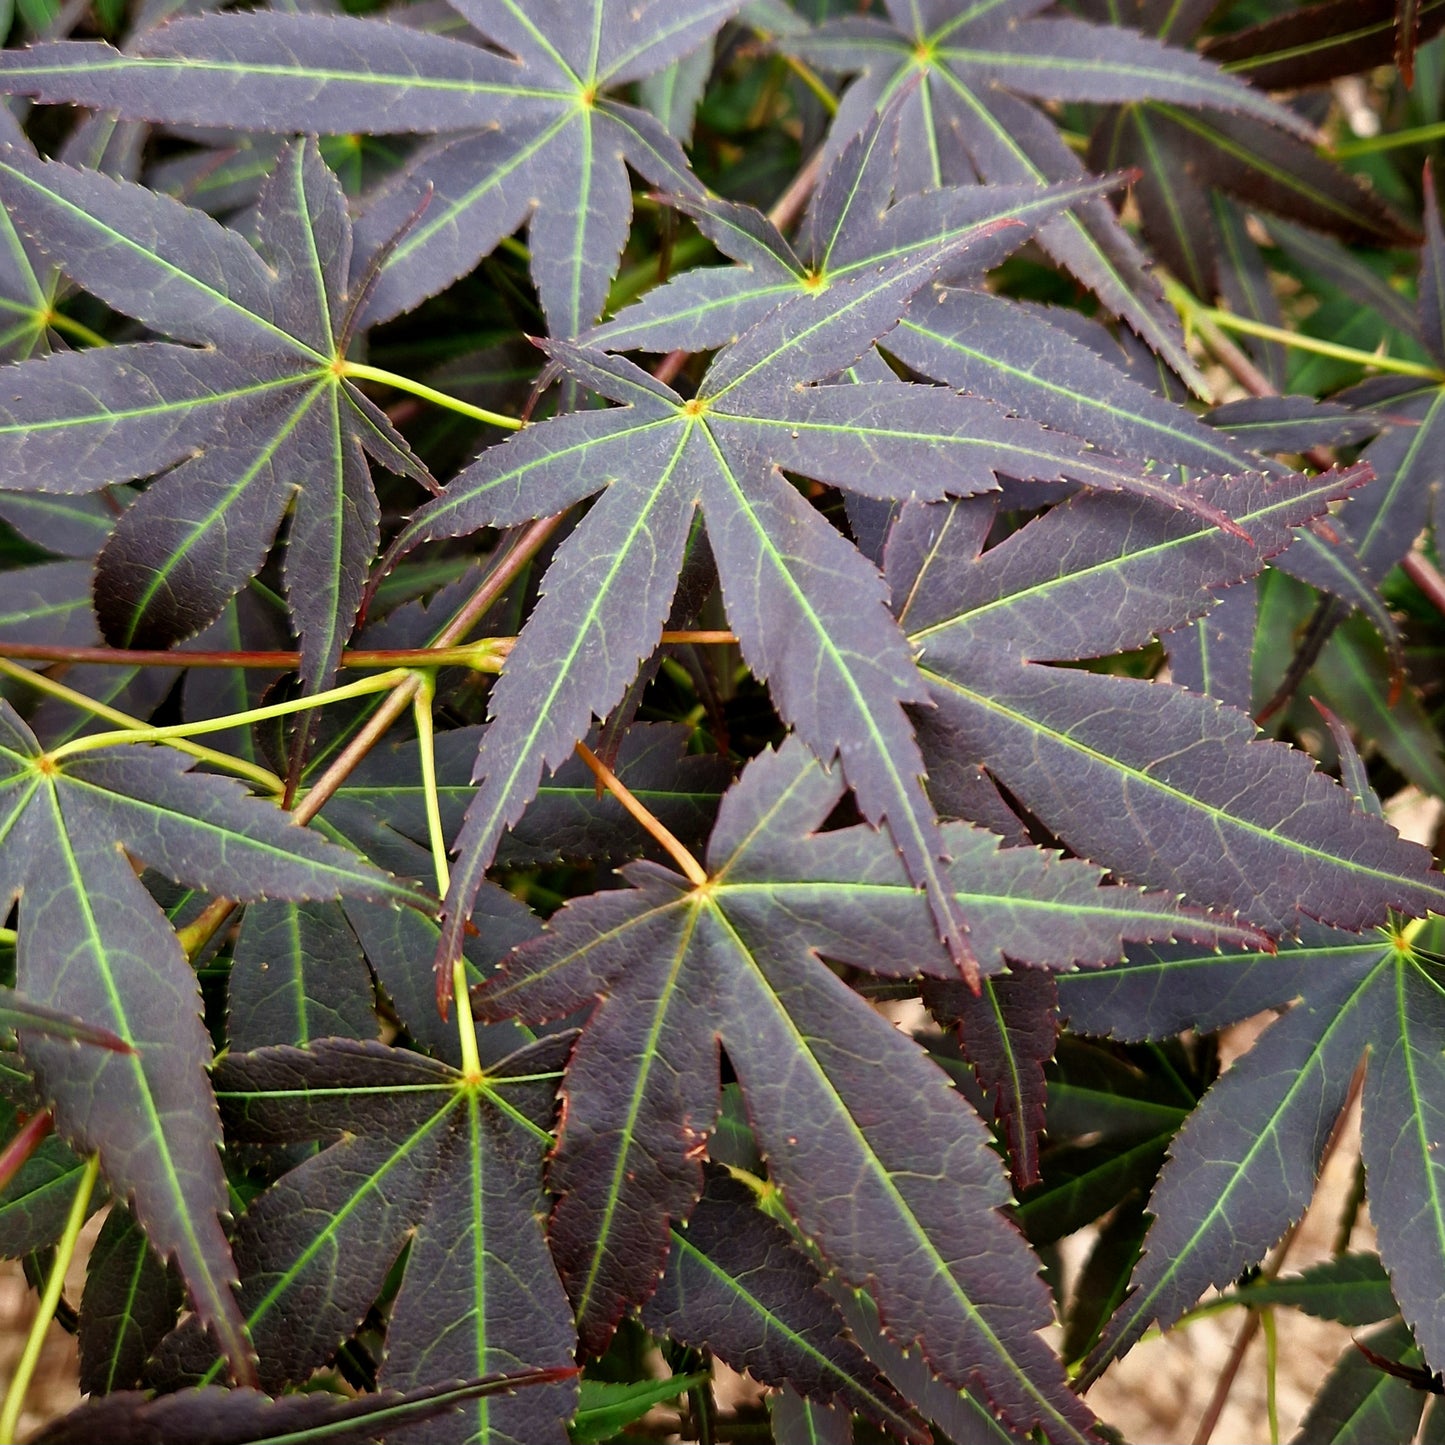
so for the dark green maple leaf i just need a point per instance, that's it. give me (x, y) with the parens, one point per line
(895, 1182)
(1167, 788)
(1243, 1167)
(982, 66)
(93, 943)
(416, 1155)
(809, 611)
(1185, 154)
(252, 418)
(130, 1305)
(538, 135)
(1351, 1288)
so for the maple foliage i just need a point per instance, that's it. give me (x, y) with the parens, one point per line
(516, 660)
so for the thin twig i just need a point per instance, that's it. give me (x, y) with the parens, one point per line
(694, 872)
(483, 656)
(790, 205)
(1426, 576)
(504, 571)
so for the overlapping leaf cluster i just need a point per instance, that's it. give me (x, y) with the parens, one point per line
(824, 589)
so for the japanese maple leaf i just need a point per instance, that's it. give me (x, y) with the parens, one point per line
(1165, 787)
(851, 226)
(93, 943)
(809, 610)
(251, 418)
(417, 1159)
(982, 66)
(894, 1181)
(529, 132)
(1186, 156)
(1243, 1167)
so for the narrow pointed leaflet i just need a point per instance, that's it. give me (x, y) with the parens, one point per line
(735, 962)
(253, 417)
(93, 943)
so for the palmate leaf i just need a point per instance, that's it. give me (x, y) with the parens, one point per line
(1166, 788)
(981, 67)
(1244, 1165)
(252, 419)
(809, 611)
(538, 136)
(850, 228)
(894, 1172)
(416, 1154)
(1185, 154)
(93, 943)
